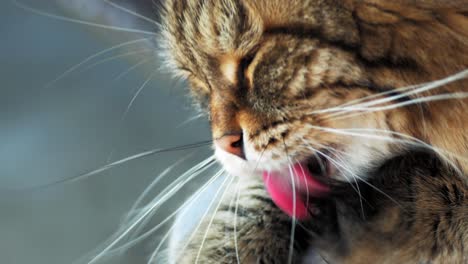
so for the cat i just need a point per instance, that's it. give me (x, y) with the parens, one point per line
(345, 146)
(343, 123)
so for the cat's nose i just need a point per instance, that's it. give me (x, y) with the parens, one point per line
(232, 143)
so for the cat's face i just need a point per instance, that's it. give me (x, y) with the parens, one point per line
(297, 82)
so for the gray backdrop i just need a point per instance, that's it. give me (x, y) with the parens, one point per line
(49, 133)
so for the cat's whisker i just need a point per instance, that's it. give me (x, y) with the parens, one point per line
(86, 60)
(138, 64)
(212, 219)
(306, 183)
(293, 225)
(135, 241)
(315, 151)
(427, 99)
(123, 55)
(78, 21)
(131, 12)
(357, 189)
(236, 209)
(293, 186)
(359, 178)
(407, 139)
(144, 194)
(186, 204)
(419, 89)
(205, 214)
(121, 162)
(413, 89)
(160, 199)
(191, 119)
(137, 93)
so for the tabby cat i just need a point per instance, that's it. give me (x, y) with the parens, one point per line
(335, 108)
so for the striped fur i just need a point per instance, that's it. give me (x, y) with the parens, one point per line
(280, 72)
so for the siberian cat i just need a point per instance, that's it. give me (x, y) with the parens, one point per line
(332, 106)
(343, 124)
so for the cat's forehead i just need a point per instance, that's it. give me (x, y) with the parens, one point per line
(212, 34)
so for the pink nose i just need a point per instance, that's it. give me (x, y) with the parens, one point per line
(232, 144)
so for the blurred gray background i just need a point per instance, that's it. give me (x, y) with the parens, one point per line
(53, 132)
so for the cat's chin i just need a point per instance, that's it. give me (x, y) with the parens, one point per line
(236, 166)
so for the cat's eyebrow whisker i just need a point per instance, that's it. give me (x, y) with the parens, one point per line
(78, 21)
(86, 60)
(131, 12)
(122, 161)
(212, 219)
(148, 211)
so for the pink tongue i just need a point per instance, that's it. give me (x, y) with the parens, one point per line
(292, 199)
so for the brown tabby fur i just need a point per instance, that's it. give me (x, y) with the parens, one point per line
(262, 66)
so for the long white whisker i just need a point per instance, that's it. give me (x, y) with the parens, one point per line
(125, 160)
(137, 93)
(293, 226)
(409, 140)
(160, 199)
(78, 65)
(211, 221)
(236, 246)
(187, 203)
(166, 220)
(200, 222)
(359, 178)
(357, 189)
(142, 196)
(365, 110)
(191, 119)
(115, 58)
(143, 61)
(424, 88)
(77, 21)
(315, 151)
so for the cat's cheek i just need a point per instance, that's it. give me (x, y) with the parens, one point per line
(234, 165)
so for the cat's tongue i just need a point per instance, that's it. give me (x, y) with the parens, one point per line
(291, 190)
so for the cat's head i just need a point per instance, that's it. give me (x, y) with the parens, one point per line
(320, 86)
